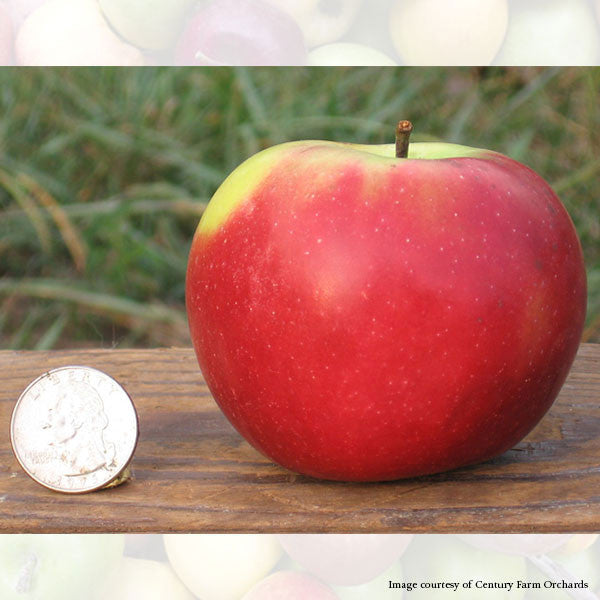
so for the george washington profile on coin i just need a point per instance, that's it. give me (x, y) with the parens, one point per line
(74, 429)
(77, 424)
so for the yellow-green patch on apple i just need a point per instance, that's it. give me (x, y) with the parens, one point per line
(243, 181)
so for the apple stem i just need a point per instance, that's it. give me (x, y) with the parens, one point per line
(403, 131)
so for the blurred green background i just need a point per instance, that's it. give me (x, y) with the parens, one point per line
(104, 173)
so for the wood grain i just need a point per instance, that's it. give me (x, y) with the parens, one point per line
(194, 473)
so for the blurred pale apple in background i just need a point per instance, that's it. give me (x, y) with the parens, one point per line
(20, 9)
(241, 32)
(57, 567)
(346, 53)
(551, 32)
(279, 32)
(578, 566)
(372, 27)
(148, 547)
(72, 32)
(445, 558)
(290, 585)
(6, 37)
(376, 589)
(149, 24)
(440, 32)
(321, 21)
(345, 559)
(245, 567)
(222, 567)
(578, 543)
(523, 544)
(147, 580)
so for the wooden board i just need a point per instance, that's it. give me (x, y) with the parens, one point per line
(194, 473)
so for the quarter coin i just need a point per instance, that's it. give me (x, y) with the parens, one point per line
(74, 430)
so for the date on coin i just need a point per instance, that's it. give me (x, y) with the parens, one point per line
(74, 430)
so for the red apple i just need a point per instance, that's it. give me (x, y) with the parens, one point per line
(6, 36)
(289, 585)
(363, 316)
(241, 32)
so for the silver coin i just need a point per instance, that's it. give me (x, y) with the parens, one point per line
(74, 430)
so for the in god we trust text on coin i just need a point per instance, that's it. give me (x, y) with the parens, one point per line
(74, 430)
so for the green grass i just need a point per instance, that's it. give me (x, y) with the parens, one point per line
(104, 173)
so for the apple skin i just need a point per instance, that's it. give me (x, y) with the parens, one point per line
(148, 547)
(578, 543)
(345, 560)
(72, 32)
(444, 558)
(6, 37)
(20, 9)
(57, 567)
(581, 565)
(360, 317)
(370, 28)
(522, 544)
(376, 589)
(438, 32)
(241, 32)
(321, 22)
(551, 32)
(146, 579)
(222, 567)
(345, 53)
(290, 585)
(148, 24)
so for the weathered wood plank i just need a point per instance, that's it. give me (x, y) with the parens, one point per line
(193, 472)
